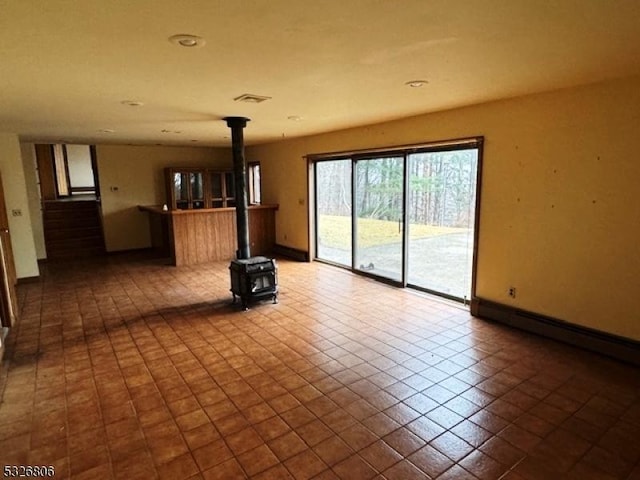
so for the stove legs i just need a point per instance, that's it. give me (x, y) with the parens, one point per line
(245, 301)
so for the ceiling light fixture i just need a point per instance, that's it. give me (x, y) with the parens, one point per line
(186, 40)
(416, 83)
(251, 98)
(294, 118)
(132, 103)
(106, 130)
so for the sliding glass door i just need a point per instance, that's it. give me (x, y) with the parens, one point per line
(379, 184)
(407, 216)
(441, 215)
(333, 211)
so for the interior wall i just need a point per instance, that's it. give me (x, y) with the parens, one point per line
(15, 193)
(559, 214)
(133, 175)
(30, 166)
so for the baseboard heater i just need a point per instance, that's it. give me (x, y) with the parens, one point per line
(614, 346)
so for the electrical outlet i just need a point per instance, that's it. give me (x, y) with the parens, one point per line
(512, 292)
(16, 212)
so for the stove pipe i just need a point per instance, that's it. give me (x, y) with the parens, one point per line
(237, 124)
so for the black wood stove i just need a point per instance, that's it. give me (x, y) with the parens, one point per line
(252, 278)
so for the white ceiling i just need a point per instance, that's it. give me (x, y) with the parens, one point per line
(66, 66)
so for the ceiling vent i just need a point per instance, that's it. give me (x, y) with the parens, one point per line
(251, 98)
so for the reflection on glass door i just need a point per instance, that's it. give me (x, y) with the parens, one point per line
(379, 233)
(333, 211)
(441, 214)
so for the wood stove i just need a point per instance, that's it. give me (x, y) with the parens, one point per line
(252, 278)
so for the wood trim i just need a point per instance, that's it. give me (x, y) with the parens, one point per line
(66, 167)
(620, 348)
(46, 175)
(476, 220)
(4, 333)
(9, 310)
(293, 253)
(94, 167)
(82, 189)
(453, 144)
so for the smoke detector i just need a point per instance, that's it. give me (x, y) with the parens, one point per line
(251, 98)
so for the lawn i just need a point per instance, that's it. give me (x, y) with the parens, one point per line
(335, 231)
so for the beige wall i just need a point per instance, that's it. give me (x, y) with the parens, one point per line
(15, 194)
(137, 174)
(559, 214)
(29, 165)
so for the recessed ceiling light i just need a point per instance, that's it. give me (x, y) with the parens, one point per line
(294, 118)
(416, 83)
(186, 40)
(132, 103)
(251, 98)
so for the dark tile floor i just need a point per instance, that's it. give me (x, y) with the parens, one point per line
(128, 369)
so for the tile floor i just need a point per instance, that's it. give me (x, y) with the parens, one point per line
(128, 369)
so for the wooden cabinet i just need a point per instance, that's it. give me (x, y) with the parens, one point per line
(186, 188)
(195, 188)
(222, 189)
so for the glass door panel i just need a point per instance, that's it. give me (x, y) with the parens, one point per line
(217, 199)
(197, 189)
(181, 190)
(230, 189)
(379, 233)
(441, 217)
(333, 211)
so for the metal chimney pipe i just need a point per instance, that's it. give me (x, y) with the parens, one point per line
(237, 124)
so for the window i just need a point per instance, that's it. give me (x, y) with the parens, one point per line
(255, 190)
(73, 169)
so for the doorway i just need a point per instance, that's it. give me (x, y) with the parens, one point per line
(406, 216)
(70, 194)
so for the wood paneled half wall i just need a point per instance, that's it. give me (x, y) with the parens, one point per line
(195, 236)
